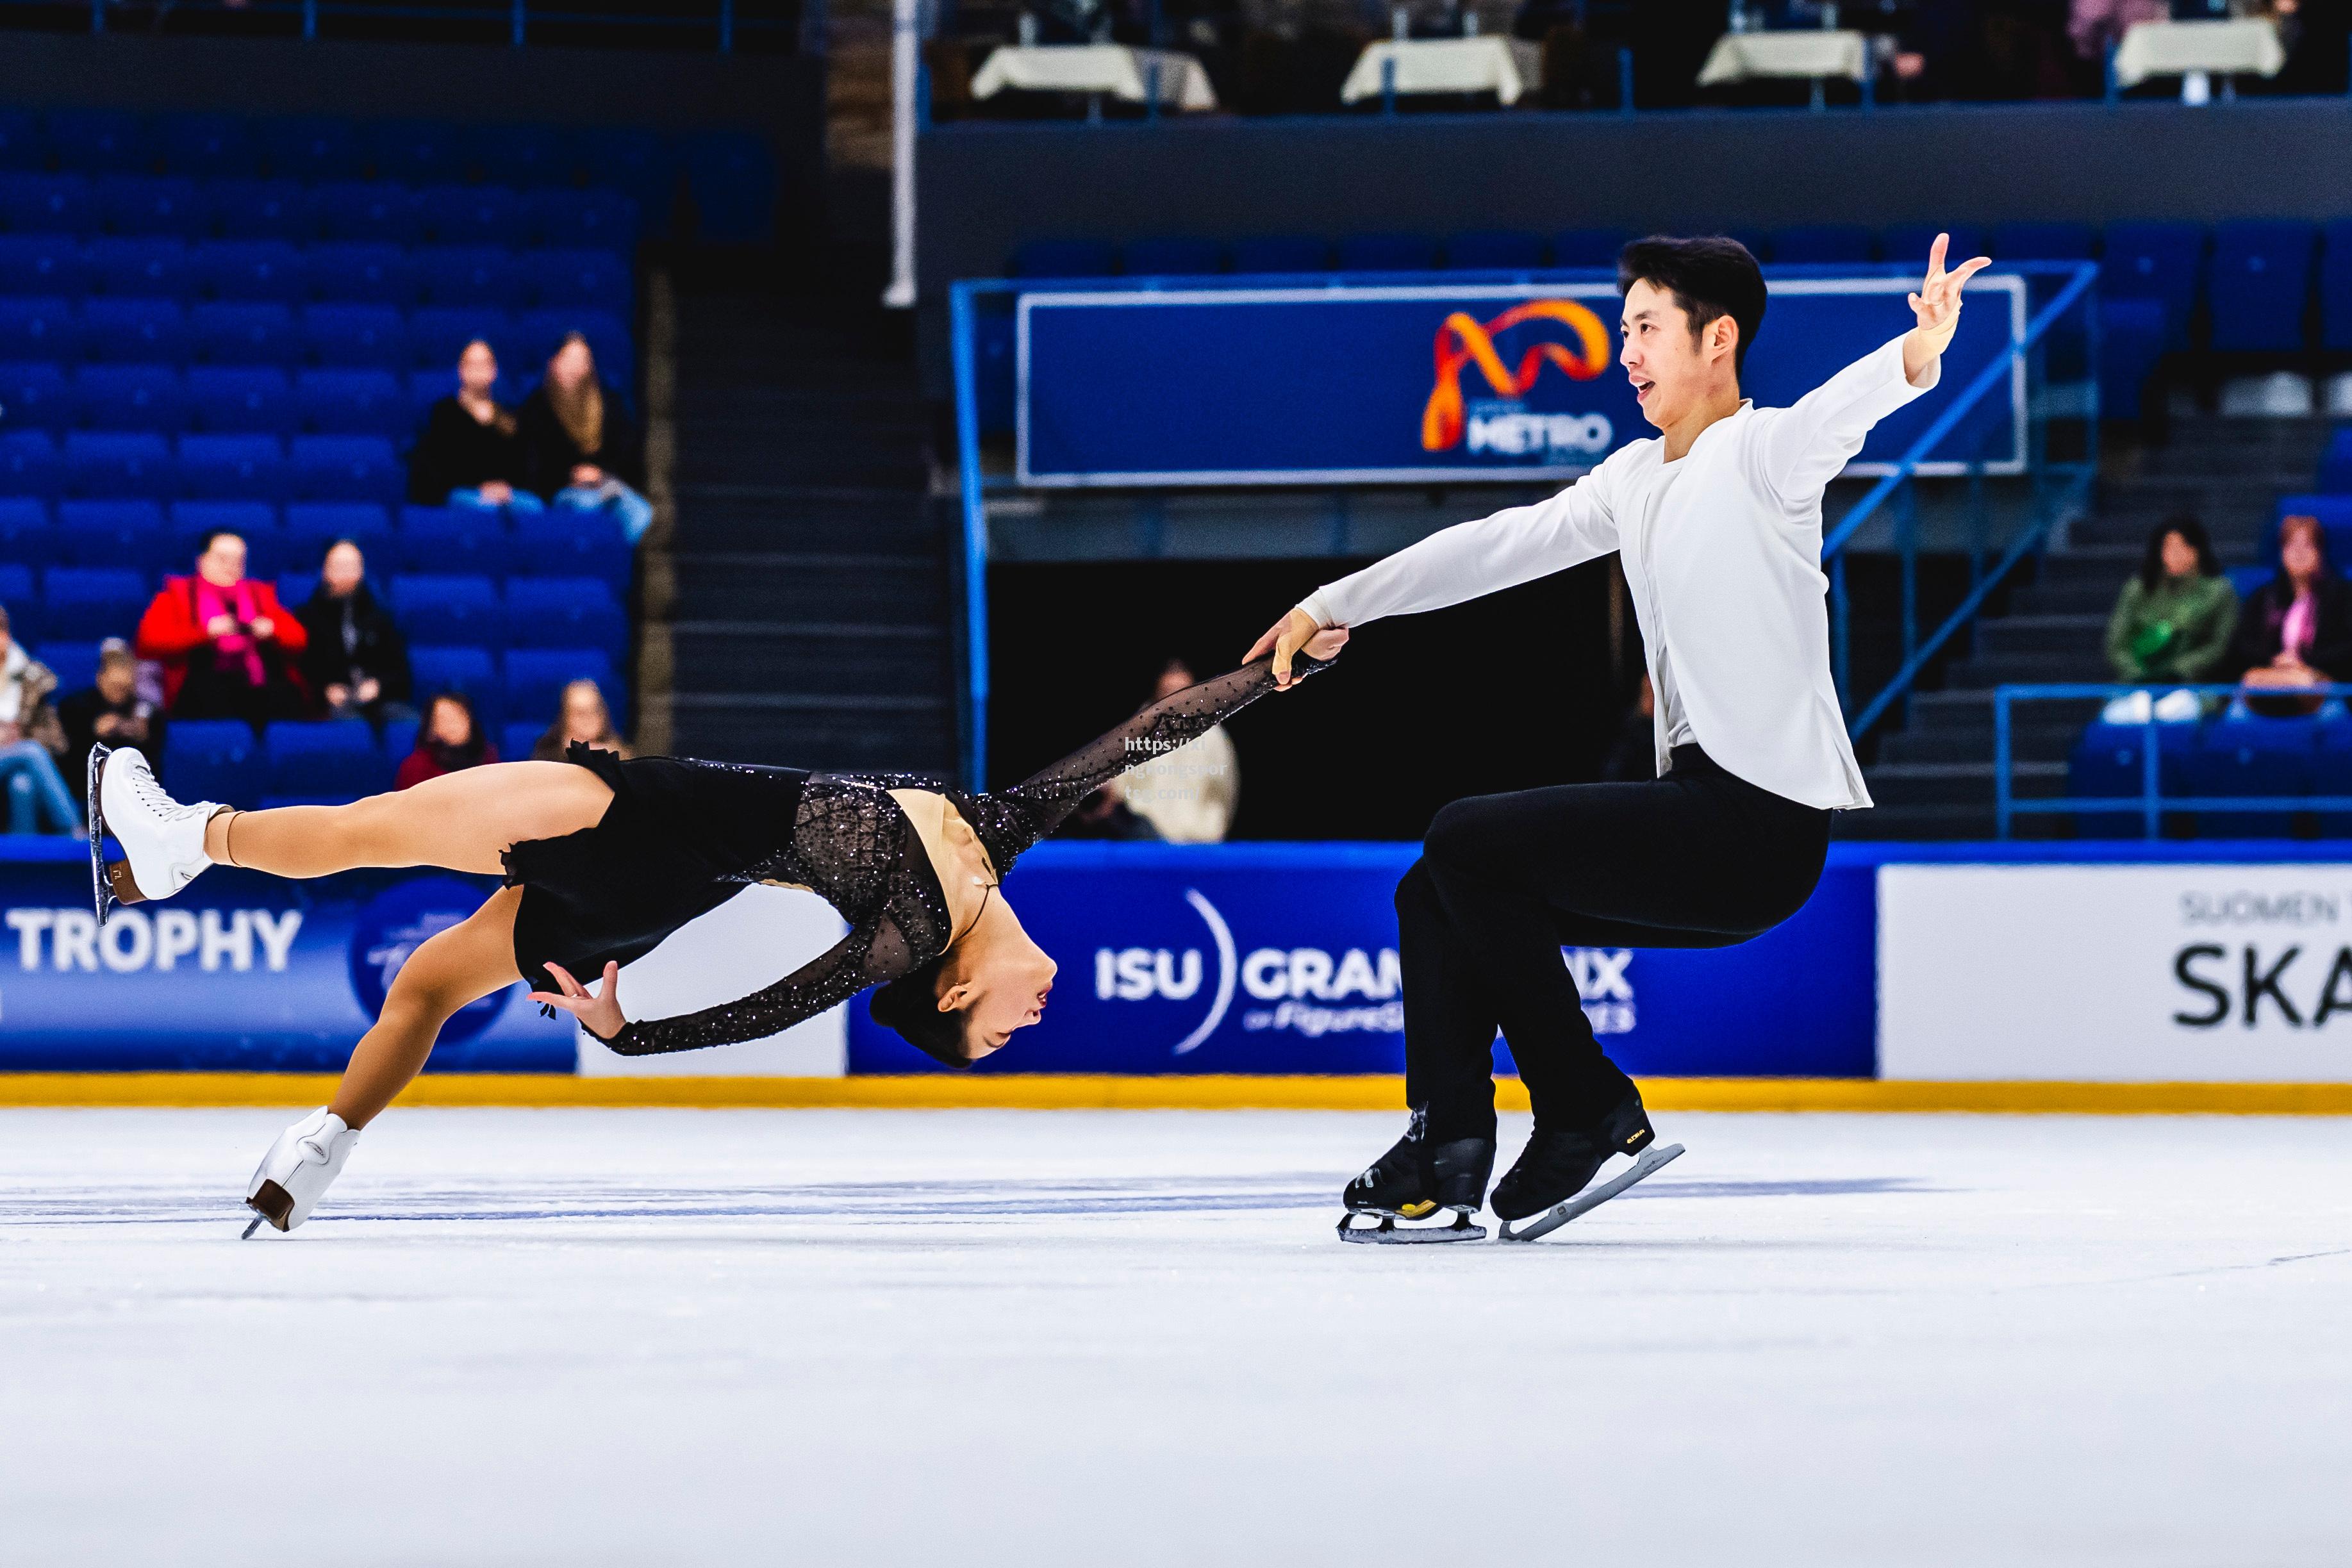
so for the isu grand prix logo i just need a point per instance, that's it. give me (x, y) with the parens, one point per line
(1501, 425)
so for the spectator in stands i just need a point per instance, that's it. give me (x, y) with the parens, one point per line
(449, 740)
(2097, 24)
(2296, 628)
(1102, 815)
(30, 738)
(113, 710)
(227, 647)
(356, 664)
(1187, 794)
(2173, 621)
(580, 451)
(469, 455)
(583, 716)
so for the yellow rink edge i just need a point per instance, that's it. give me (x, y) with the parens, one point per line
(1369, 1092)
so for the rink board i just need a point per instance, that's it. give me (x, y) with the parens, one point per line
(1960, 970)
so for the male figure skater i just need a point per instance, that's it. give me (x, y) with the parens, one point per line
(1717, 520)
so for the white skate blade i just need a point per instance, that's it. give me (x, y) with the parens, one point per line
(1389, 1233)
(1648, 1164)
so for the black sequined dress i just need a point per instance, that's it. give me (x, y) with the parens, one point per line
(682, 837)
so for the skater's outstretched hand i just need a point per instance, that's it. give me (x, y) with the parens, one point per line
(1937, 307)
(600, 1015)
(1297, 630)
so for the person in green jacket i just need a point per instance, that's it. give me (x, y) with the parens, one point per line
(2175, 616)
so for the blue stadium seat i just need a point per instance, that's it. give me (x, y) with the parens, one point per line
(353, 403)
(360, 273)
(523, 156)
(30, 464)
(1063, 258)
(448, 610)
(335, 759)
(364, 209)
(2158, 261)
(1908, 244)
(75, 665)
(83, 604)
(255, 522)
(22, 144)
(574, 544)
(466, 215)
(565, 612)
(2336, 463)
(16, 583)
(100, 140)
(415, 151)
(2335, 288)
(232, 469)
(2106, 761)
(115, 533)
(214, 759)
(1495, 250)
(536, 679)
(373, 336)
(28, 539)
(537, 332)
(467, 275)
(175, 208)
(346, 468)
(521, 736)
(246, 270)
(312, 525)
(2044, 242)
(134, 332)
(1824, 245)
(149, 267)
(262, 209)
(592, 219)
(1282, 253)
(636, 163)
(1166, 258)
(130, 397)
(2250, 755)
(240, 400)
(2259, 286)
(1388, 253)
(436, 335)
(46, 203)
(586, 280)
(2132, 338)
(235, 333)
(41, 264)
(109, 463)
(296, 588)
(1587, 247)
(399, 738)
(469, 671)
(208, 146)
(321, 147)
(437, 539)
(38, 327)
(36, 395)
(2335, 515)
(730, 177)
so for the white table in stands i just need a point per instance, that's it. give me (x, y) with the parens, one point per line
(1799, 54)
(1508, 68)
(1112, 71)
(2197, 51)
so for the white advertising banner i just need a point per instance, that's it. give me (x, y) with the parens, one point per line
(2231, 973)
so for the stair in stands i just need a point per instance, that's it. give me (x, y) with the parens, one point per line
(1934, 774)
(811, 620)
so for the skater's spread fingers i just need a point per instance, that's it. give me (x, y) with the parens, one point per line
(571, 988)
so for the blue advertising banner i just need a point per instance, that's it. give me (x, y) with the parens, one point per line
(1411, 384)
(1282, 958)
(239, 972)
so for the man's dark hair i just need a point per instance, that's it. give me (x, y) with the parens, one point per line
(911, 1005)
(1709, 277)
(204, 544)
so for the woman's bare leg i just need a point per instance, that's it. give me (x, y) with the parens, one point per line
(460, 821)
(453, 968)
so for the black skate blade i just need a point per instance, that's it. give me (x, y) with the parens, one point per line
(252, 1228)
(102, 895)
(1648, 1164)
(1387, 1233)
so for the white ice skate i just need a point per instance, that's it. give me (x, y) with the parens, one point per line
(162, 840)
(298, 1168)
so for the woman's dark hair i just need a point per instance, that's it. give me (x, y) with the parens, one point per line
(1709, 277)
(2187, 525)
(464, 706)
(911, 1005)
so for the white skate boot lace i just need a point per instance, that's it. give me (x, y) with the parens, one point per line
(153, 799)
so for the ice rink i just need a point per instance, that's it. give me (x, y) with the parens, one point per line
(945, 1338)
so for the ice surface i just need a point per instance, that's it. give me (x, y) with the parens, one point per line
(950, 1338)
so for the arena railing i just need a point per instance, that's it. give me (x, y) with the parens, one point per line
(2151, 803)
(728, 23)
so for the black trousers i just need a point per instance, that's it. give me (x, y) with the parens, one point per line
(1696, 858)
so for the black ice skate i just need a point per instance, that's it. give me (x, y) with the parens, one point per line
(1553, 1177)
(1416, 1179)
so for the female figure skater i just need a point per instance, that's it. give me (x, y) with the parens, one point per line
(605, 857)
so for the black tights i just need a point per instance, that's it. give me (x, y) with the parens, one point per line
(1696, 858)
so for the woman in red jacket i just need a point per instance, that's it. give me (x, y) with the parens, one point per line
(226, 646)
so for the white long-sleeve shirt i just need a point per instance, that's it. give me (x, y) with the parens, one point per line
(1722, 549)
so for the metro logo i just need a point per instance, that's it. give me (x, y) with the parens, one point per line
(1463, 342)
